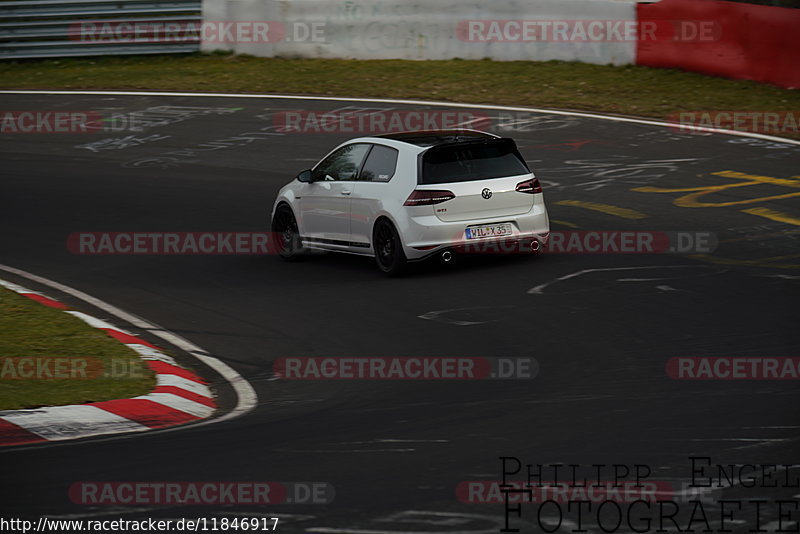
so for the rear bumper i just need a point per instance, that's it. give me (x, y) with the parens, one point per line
(426, 235)
(525, 245)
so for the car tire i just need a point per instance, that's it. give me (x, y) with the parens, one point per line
(388, 248)
(287, 236)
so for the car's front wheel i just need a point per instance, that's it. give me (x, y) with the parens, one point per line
(388, 249)
(284, 228)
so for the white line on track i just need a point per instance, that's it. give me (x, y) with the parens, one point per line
(392, 441)
(94, 322)
(667, 288)
(439, 315)
(247, 399)
(539, 290)
(341, 451)
(587, 115)
(148, 353)
(422, 517)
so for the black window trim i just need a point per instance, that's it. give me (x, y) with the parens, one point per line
(366, 157)
(494, 140)
(360, 166)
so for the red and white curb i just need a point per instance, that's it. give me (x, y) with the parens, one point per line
(180, 396)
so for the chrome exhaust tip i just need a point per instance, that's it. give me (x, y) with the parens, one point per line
(535, 246)
(446, 257)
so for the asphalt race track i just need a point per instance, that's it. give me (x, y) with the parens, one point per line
(395, 451)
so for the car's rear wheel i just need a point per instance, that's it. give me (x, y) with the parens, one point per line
(388, 249)
(284, 227)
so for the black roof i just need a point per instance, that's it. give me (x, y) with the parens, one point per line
(426, 138)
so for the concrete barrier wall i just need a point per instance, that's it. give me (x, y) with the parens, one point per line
(416, 29)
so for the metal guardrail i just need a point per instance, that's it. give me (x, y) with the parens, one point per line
(58, 28)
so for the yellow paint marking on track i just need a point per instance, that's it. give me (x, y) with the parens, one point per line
(564, 223)
(759, 236)
(773, 215)
(761, 262)
(692, 199)
(608, 209)
(788, 182)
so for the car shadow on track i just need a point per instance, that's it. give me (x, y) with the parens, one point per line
(329, 264)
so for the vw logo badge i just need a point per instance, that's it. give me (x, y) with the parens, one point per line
(486, 193)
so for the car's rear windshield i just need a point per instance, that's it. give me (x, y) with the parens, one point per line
(466, 162)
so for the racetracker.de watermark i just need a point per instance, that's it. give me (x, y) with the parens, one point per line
(44, 121)
(492, 491)
(68, 368)
(377, 121)
(48, 121)
(586, 31)
(263, 243)
(733, 368)
(405, 368)
(599, 242)
(765, 122)
(630, 242)
(221, 32)
(171, 243)
(216, 493)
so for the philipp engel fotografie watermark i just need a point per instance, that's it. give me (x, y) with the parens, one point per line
(574, 498)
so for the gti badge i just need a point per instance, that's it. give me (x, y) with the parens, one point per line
(486, 193)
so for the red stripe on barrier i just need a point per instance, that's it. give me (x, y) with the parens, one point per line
(146, 412)
(11, 434)
(186, 394)
(750, 42)
(163, 368)
(127, 338)
(46, 301)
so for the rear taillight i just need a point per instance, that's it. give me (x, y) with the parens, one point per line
(427, 197)
(531, 186)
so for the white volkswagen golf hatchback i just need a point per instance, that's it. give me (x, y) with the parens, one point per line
(409, 196)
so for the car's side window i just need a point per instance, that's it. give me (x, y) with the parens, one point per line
(380, 164)
(343, 164)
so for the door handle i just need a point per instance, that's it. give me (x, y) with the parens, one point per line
(346, 191)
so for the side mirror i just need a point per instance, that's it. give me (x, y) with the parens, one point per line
(304, 176)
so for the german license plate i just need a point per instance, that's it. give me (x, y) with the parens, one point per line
(489, 230)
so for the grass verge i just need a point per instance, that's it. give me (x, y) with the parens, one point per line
(50, 358)
(626, 90)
